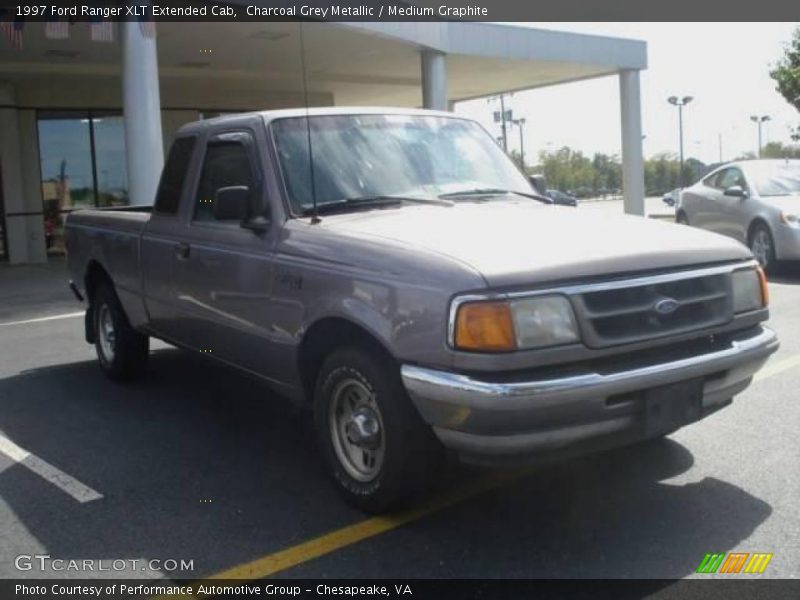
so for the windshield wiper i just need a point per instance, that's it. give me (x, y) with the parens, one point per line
(368, 202)
(496, 192)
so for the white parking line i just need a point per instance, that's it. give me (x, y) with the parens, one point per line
(45, 470)
(42, 319)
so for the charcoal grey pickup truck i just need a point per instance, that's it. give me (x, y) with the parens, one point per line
(395, 272)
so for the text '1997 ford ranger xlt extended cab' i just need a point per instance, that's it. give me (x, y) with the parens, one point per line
(396, 272)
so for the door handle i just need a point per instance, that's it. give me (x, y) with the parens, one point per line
(182, 250)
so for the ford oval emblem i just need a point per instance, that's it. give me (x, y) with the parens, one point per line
(666, 306)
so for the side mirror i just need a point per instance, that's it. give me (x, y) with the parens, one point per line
(736, 191)
(231, 203)
(538, 184)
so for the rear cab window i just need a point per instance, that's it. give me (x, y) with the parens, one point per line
(173, 177)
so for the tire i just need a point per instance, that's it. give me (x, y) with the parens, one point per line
(121, 351)
(377, 449)
(762, 245)
(681, 218)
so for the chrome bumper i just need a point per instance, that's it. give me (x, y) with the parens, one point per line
(485, 420)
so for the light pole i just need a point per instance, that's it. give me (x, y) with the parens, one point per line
(759, 120)
(680, 103)
(521, 124)
(501, 118)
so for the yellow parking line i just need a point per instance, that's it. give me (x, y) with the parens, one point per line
(357, 532)
(352, 534)
(362, 530)
(774, 368)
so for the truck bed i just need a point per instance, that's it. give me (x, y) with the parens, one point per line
(111, 237)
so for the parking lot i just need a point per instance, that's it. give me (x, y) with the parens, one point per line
(200, 463)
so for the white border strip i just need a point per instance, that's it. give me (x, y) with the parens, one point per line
(45, 470)
(43, 319)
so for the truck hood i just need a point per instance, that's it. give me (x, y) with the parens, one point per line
(513, 243)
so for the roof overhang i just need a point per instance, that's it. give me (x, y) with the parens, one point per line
(357, 63)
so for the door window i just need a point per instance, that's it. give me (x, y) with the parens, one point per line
(731, 177)
(226, 164)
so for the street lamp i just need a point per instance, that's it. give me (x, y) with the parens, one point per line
(680, 103)
(521, 124)
(501, 117)
(759, 121)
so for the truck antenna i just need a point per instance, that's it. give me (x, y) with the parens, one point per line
(314, 214)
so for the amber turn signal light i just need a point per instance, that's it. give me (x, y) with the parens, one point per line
(762, 278)
(485, 327)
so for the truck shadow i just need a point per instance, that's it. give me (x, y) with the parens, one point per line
(787, 272)
(197, 463)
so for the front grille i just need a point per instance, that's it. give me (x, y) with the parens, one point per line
(629, 314)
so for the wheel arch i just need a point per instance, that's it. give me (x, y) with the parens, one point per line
(96, 274)
(324, 336)
(759, 220)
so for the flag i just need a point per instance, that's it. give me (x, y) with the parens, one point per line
(12, 30)
(56, 30)
(102, 30)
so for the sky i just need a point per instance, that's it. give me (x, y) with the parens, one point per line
(724, 66)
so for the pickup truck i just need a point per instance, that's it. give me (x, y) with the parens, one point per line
(394, 271)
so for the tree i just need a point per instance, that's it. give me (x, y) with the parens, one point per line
(569, 170)
(779, 150)
(787, 72)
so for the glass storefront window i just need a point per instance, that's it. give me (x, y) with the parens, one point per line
(109, 150)
(82, 158)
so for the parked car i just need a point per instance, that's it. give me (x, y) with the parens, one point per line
(756, 202)
(562, 198)
(672, 198)
(416, 295)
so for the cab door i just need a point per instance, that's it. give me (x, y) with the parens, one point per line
(223, 268)
(730, 211)
(159, 235)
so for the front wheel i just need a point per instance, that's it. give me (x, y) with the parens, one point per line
(121, 350)
(376, 446)
(681, 218)
(762, 246)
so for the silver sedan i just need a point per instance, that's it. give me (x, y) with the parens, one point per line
(756, 202)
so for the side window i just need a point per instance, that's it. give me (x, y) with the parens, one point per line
(711, 180)
(227, 163)
(174, 175)
(731, 177)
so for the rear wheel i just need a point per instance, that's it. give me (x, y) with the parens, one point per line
(377, 448)
(762, 246)
(121, 350)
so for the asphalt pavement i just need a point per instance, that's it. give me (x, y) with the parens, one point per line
(200, 463)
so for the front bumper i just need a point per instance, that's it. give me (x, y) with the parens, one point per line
(504, 421)
(787, 242)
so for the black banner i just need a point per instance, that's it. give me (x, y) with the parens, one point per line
(399, 10)
(413, 589)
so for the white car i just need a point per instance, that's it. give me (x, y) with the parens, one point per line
(756, 202)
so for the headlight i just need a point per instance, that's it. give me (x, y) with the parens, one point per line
(790, 219)
(749, 290)
(502, 326)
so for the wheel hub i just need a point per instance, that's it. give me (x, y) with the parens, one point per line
(356, 428)
(363, 429)
(106, 333)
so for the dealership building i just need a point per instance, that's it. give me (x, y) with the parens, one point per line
(87, 110)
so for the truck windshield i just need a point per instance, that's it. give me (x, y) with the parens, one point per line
(359, 156)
